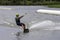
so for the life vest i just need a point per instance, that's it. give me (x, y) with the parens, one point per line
(17, 19)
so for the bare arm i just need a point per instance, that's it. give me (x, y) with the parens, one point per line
(21, 16)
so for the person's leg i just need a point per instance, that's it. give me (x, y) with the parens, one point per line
(24, 28)
(23, 25)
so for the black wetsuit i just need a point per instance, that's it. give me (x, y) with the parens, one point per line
(17, 19)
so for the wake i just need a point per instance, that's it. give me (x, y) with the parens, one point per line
(45, 25)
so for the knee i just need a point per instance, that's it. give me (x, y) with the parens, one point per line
(23, 24)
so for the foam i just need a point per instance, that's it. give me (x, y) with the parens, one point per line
(42, 24)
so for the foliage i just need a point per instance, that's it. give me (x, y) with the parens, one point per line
(29, 2)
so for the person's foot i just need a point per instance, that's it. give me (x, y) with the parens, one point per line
(26, 30)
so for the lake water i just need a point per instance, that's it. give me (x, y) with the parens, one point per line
(42, 26)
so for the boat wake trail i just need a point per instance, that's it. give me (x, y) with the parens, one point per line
(46, 25)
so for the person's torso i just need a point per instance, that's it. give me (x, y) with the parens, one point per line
(17, 19)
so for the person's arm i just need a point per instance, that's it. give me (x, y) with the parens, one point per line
(21, 16)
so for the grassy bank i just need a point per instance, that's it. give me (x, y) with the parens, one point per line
(54, 6)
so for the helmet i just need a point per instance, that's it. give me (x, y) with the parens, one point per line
(17, 14)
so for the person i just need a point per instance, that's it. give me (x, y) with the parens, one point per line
(18, 22)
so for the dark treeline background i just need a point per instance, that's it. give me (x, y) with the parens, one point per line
(29, 2)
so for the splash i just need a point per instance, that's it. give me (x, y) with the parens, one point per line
(43, 24)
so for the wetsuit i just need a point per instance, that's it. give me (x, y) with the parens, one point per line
(17, 19)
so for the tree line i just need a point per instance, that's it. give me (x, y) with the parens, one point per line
(29, 2)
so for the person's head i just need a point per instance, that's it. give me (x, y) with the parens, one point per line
(17, 15)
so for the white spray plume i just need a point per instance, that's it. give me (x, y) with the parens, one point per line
(42, 24)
